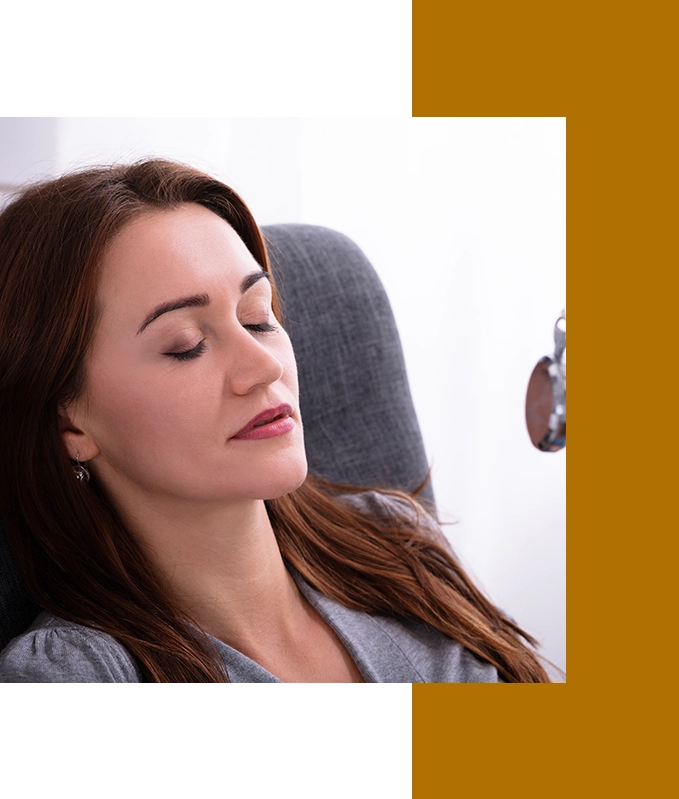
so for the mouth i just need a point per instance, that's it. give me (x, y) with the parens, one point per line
(273, 421)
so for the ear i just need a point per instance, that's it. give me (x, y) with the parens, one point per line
(78, 443)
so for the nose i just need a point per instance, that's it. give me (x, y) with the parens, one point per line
(252, 364)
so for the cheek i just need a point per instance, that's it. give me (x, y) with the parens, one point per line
(145, 413)
(128, 412)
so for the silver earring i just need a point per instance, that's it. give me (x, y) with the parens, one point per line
(81, 473)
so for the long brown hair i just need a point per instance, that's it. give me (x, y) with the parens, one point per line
(78, 559)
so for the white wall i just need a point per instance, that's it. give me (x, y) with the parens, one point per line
(464, 219)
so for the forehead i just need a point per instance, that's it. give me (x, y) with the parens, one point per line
(176, 251)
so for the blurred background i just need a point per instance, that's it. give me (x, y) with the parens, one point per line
(464, 220)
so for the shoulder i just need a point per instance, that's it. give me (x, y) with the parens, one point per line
(383, 504)
(390, 649)
(433, 656)
(400, 508)
(376, 502)
(55, 650)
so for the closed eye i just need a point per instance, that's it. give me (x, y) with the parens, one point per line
(188, 354)
(263, 327)
(195, 352)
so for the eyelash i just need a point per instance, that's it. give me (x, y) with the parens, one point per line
(199, 349)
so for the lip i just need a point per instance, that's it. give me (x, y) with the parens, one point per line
(269, 423)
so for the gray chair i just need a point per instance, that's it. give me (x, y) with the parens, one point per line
(359, 420)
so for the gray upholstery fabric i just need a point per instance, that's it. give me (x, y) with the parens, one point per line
(359, 421)
(17, 611)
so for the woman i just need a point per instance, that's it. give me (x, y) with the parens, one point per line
(155, 489)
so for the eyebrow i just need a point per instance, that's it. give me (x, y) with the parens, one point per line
(199, 300)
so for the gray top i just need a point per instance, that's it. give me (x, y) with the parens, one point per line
(384, 649)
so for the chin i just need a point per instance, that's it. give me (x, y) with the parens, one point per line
(271, 478)
(291, 479)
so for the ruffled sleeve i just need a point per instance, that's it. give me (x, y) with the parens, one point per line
(54, 650)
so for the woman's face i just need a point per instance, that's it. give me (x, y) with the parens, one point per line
(187, 353)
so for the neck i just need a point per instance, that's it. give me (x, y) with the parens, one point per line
(224, 569)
